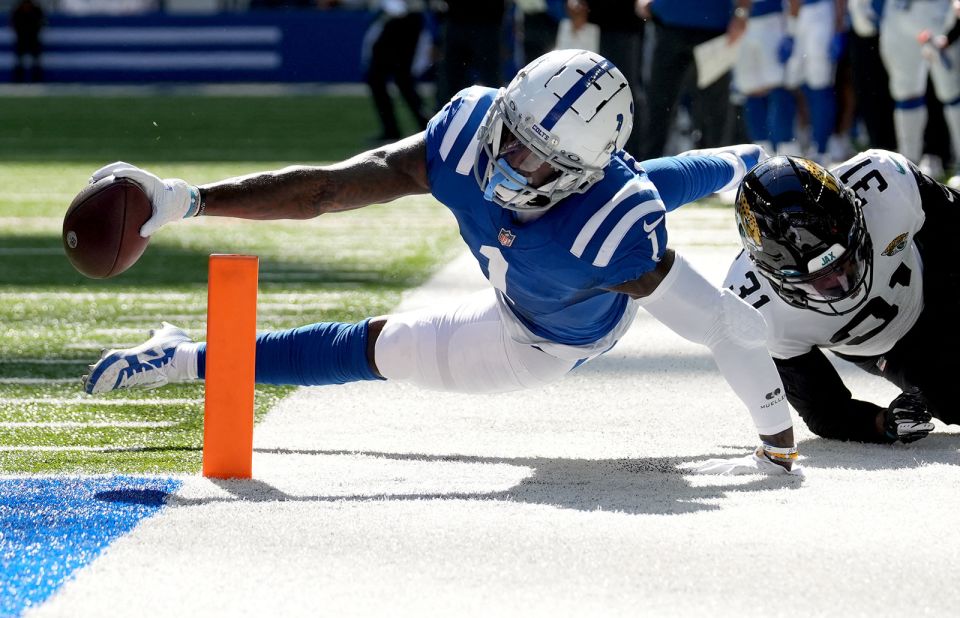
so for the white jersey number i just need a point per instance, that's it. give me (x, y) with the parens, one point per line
(496, 267)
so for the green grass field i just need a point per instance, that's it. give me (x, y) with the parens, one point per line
(53, 321)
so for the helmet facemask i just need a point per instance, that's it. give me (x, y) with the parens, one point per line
(838, 281)
(805, 233)
(502, 134)
(553, 130)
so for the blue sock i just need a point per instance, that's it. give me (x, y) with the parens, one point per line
(783, 112)
(822, 115)
(755, 110)
(314, 355)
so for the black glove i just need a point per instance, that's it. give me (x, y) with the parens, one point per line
(906, 418)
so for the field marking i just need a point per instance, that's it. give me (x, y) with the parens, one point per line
(38, 380)
(41, 361)
(86, 425)
(88, 449)
(12, 401)
(31, 251)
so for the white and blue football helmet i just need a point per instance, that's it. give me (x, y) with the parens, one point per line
(570, 108)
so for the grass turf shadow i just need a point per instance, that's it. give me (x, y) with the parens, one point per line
(39, 261)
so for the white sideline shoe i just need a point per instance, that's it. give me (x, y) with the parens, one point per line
(148, 365)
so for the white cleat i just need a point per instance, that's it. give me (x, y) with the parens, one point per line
(148, 365)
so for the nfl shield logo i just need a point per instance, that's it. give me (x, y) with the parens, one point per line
(506, 237)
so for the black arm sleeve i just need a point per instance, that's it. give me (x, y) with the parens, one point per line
(937, 240)
(953, 34)
(818, 394)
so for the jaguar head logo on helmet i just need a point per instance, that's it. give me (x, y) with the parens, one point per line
(805, 233)
(551, 132)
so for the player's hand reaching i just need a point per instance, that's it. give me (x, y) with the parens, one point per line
(906, 418)
(754, 463)
(172, 198)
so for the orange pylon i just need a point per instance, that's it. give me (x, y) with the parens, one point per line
(230, 366)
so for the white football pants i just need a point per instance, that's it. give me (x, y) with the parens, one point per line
(462, 347)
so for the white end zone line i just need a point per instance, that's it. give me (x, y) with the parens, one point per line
(14, 401)
(86, 449)
(43, 361)
(86, 425)
(39, 380)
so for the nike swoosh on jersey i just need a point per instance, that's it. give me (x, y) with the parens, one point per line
(648, 227)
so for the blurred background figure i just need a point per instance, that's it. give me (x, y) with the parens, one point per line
(679, 26)
(759, 75)
(389, 47)
(538, 21)
(870, 80)
(811, 50)
(471, 33)
(621, 42)
(27, 21)
(576, 32)
(906, 31)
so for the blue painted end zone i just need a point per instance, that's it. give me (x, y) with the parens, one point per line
(49, 527)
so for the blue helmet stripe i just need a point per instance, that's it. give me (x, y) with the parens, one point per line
(575, 92)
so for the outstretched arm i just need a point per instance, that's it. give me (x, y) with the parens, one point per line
(735, 332)
(301, 192)
(695, 174)
(296, 192)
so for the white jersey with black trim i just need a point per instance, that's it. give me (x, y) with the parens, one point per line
(893, 215)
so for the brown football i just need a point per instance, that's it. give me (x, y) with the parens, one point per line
(101, 230)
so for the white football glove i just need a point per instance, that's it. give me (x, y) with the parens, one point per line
(751, 464)
(172, 198)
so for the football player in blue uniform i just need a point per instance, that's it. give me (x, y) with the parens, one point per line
(860, 262)
(569, 230)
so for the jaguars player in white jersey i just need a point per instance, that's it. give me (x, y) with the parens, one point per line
(570, 232)
(858, 262)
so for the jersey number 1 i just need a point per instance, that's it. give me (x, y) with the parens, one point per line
(496, 267)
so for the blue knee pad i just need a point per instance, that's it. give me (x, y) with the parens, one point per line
(314, 355)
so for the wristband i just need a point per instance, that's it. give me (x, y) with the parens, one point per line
(781, 453)
(197, 203)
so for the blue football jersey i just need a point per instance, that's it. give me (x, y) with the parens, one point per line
(552, 271)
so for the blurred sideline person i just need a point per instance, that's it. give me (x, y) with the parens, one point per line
(540, 19)
(621, 42)
(814, 44)
(759, 75)
(861, 262)
(389, 47)
(870, 79)
(576, 31)
(679, 26)
(470, 50)
(569, 230)
(903, 55)
(27, 21)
